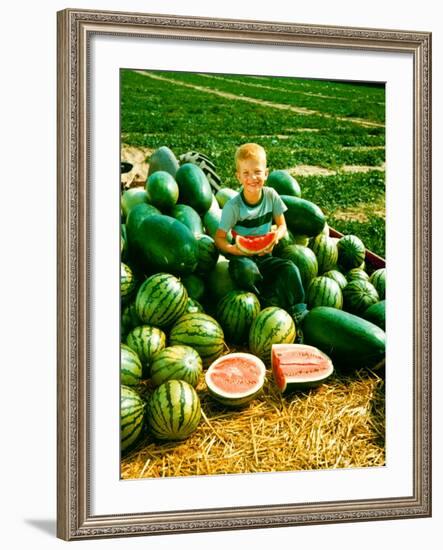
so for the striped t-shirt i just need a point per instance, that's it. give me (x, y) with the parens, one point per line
(246, 219)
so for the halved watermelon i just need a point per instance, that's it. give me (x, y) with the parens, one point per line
(299, 367)
(236, 378)
(255, 244)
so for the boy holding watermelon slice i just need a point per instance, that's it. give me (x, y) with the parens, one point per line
(250, 216)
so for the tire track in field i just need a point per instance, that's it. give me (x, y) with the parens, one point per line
(286, 90)
(263, 103)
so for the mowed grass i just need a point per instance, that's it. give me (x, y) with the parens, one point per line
(321, 124)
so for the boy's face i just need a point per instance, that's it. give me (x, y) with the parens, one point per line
(252, 174)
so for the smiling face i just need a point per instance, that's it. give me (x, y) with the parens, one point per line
(252, 174)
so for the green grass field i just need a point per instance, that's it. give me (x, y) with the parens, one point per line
(330, 135)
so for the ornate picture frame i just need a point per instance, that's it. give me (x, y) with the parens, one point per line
(76, 29)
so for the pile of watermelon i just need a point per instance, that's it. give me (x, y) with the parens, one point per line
(191, 324)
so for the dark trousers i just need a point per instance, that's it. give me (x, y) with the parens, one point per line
(282, 285)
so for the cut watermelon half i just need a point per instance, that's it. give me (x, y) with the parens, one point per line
(236, 378)
(255, 244)
(299, 367)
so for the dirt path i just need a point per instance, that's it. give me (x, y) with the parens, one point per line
(270, 104)
(286, 90)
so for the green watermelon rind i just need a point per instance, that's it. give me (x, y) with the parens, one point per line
(176, 363)
(201, 332)
(132, 417)
(273, 325)
(324, 291)
(130, 366)
(161, 300)
(235, 312)
(173, 411)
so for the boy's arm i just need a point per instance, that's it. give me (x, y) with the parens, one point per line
(223, 245)
(281, 226)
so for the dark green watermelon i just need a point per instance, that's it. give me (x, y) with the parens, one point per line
(163, 159)
(283, 183)
(194, 187)
(165, 244)
(303, 217)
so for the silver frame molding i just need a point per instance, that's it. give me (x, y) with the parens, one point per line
(75, 28)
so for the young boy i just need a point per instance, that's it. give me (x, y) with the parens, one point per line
(252, 212)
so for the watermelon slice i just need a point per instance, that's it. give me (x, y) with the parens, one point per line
(299, 367)
(255, 244)
(236, 378)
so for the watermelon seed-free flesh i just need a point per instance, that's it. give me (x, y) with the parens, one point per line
(236, 378)
(299, 367)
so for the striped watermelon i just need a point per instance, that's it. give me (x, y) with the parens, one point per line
(193, 306)
(351, 252)
(200, 331)
(337, 276)
(160, 300)
(129, 319)
(208, 254)
(132, 410)
(235, 312)
(324, 291)
(176, 363)
(173, 411)
(130, 366)
(128, 282)
(326, 252)
(146, 341)
(304, 259)
(358, 295)
(378, 279)
(272, 325)
(357, 273)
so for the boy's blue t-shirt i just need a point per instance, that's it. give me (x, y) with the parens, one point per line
(257, 219)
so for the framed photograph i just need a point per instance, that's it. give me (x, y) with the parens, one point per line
(152, 111)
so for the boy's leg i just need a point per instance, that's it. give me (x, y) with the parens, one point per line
(282, 285)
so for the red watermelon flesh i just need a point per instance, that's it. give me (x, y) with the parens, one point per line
(236, 378)
(298, 366)
(255, 244)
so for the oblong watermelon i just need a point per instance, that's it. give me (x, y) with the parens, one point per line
(194, 187)
(189, 217)
(284, 183)
(173, 411)
(299, 367)
(303, 217)
(236, 378)
(163, 159)
(162, 190)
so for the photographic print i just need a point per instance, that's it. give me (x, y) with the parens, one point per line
(231, 225)
(252, 275)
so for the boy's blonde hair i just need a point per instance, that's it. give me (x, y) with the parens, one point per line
(248, 151)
